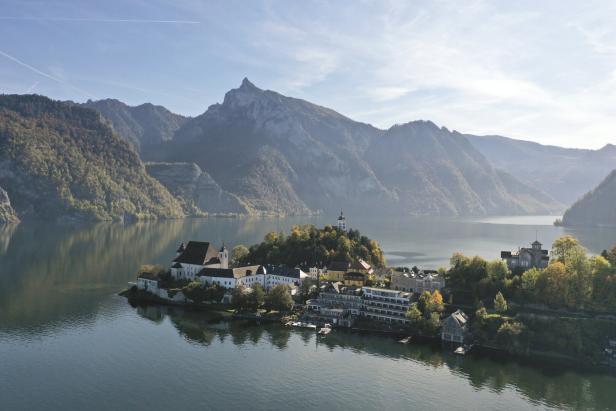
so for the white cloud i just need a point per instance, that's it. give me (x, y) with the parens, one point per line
(519, 72)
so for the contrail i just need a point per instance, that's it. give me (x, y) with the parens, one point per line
(98, 20)
(42, 73)
(32, 87)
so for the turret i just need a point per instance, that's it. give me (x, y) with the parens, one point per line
(180, 249)
(342, 222)
(223, 256)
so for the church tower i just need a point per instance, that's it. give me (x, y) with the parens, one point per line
(223, 256)
(341, 222)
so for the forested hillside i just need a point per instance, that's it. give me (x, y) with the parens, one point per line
(59, 160)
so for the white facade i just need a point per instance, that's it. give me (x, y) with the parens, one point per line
(385, 305)
(225, 282)
(341, 222)
(189, 271)
(248, 276)
(223, 256)
(314, 272)
(147, 284)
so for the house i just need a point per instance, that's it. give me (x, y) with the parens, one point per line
(313, 272)
(337, 295)
(336, 270)
(195, 256)
(385, 305)
(527, 257)
(417, 282)
(148, 282)
(230, 277)
(267, 276)
(355, 279)
(455, 327)
(337, 304)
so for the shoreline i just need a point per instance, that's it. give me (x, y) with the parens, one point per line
(562, 362)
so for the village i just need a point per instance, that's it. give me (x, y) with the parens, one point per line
(351, 295)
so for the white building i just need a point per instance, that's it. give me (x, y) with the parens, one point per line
(386, 305)
(147, 283)
(313, 272)
(267, 276)
(341, 222)
(417, 282)
(195, 256)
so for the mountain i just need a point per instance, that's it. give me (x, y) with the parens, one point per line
(435, 171)
(59, 160)
(141, 125)
(196, 188)
(7, 214)
(282, 154)
(596, 208)
(279, 154)
(564, 173)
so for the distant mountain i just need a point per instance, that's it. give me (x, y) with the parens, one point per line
(564, 173)
(196, 188)
(435, 171)
(141, 125)
(281, 154)
(7, 214)
(596, 208)
(59, 160)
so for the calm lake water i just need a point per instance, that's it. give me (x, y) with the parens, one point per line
(68, 342)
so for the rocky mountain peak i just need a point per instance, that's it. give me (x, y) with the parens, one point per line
(243, 96)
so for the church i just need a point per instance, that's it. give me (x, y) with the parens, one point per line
(195, 256)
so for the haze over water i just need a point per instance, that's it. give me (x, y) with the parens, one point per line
(67, 341)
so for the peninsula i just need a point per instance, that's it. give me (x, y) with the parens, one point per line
(558, 305)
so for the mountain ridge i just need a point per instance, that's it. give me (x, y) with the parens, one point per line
(275, 151)
(596, 208)
(62, 161)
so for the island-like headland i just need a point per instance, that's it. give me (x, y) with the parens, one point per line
(557, 306)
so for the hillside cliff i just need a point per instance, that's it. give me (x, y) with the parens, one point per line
(59, 160)
(596, 208)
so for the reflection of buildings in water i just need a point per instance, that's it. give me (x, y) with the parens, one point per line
(562, 389)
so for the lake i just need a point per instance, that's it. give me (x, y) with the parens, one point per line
(67, 341)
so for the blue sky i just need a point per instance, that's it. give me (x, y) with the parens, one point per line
(542, 71)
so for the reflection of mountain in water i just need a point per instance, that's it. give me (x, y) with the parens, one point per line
(546, 385)
(57, 274)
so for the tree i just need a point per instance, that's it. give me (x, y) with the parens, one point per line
(257, 297)
(279, 298)
(563, 247)
(238, 254)
(529, 283)
(240, 298)
(435, 303)
(552, 284)
(414, 315)
(432, 324)
(500, 304)
(497, 269)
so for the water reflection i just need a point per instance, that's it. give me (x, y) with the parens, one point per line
(552, 386)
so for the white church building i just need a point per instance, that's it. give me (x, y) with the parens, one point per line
(195, 256)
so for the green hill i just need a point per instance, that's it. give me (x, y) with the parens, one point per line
(596, 208)
(59, 160)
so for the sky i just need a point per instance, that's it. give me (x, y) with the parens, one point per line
(542, 71)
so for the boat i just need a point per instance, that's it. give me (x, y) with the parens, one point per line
(326, 329)
(300, 324)
(406, 340)
(463, 349)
